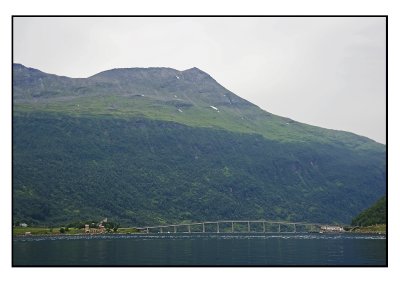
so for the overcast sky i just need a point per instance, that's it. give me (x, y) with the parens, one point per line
(329, 72)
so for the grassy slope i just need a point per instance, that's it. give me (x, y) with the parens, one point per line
(237, 119)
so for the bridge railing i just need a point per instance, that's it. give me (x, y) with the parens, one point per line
(221, 226)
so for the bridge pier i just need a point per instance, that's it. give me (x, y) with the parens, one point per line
(264, 226)
(174, 228)
(279, 227)
(248, 226)
(147, 230)
(204, 228)
(294, 227)
(160, 229)
(189, 228)
(232, 227)
(217, 227)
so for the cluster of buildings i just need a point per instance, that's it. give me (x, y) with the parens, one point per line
(100, 227)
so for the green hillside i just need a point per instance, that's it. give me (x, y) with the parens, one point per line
(376, 214)
(158, 145)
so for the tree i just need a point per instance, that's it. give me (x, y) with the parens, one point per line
(376, 214)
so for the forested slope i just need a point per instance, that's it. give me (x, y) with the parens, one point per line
(158, 145)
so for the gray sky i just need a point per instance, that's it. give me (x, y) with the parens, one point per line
(328, 72)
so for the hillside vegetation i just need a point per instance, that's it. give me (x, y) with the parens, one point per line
(376, 214)
(144, 146)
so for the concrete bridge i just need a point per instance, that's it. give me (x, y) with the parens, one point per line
(241, 226)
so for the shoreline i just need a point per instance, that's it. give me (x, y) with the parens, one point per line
(194, 233)
(45, 231)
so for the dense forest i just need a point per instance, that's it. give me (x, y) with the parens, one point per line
(142, 171)
(376, 214)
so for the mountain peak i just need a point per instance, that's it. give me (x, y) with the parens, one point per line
(194, 69)
(135, 72)
(192, 86)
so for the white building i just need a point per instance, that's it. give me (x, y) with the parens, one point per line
(332, 228)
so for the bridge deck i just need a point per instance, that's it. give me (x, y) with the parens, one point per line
(178, 227)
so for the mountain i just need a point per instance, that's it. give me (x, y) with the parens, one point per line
(158, 145)
(375, 214)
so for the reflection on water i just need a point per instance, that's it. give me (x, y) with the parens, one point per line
(202, 249)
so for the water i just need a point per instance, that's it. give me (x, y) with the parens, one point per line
(202, 250)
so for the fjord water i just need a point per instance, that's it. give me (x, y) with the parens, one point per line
(202, 249)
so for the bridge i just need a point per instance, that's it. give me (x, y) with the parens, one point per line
(241, 226)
